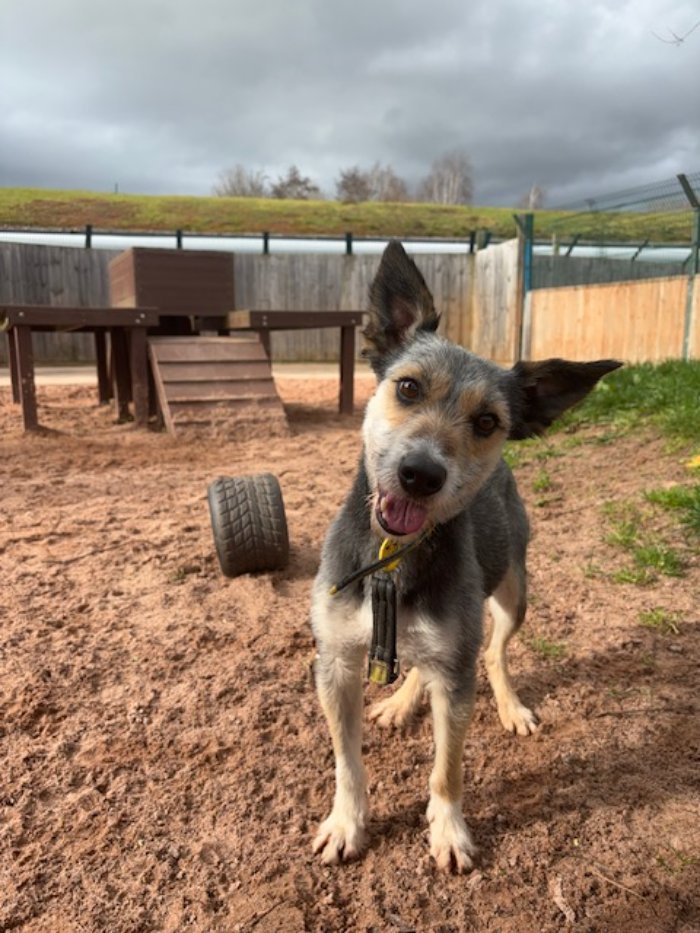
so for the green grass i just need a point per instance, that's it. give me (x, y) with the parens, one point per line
(36, 207)
(635, 576)
(684, 501)
(550, 650)
(628, 529)
(661, 620)
(542, 482)
(664, 395)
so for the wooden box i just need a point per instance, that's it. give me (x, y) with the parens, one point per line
(175, 281)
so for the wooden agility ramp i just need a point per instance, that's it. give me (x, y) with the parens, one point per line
(200, 380)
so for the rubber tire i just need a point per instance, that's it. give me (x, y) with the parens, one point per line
(249, 523)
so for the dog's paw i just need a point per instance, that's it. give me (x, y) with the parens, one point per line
(339, 839)
(517, 718)
(391, 712)
(451, 844)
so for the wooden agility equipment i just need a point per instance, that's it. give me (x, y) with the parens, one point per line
(180, 283)
(198, 379)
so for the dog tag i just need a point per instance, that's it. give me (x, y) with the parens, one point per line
(383, 661)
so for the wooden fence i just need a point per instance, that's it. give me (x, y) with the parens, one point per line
(55, 275)
(477, 294)
(632, 321)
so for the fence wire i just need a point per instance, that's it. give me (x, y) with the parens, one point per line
(638, 233)
(661, 196)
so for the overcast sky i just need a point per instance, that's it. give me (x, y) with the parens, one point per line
(158, 96)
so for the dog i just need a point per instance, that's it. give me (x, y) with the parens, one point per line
(431, 477)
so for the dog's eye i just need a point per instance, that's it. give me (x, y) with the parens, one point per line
(408, 390)
(485, 425)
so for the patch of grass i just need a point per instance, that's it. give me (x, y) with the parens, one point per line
(513, 455)
(661, 558)
(623, 533)
(626, 529)
(664, 394)
(661, 620)
(546, 451)
(637, 576)
(542, 482)
(550, 650)
(684, 500)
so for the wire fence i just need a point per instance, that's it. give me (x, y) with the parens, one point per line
(607, 227)
(669, 195)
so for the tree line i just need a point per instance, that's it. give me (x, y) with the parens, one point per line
(449, 181)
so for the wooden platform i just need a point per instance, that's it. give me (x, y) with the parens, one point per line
(200, 379)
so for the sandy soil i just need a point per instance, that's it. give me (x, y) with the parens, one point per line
(164, 761)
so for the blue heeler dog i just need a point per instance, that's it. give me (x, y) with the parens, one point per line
(431, 477)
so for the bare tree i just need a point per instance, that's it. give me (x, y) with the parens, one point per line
(449, 180)
(386, 184)
(295, 186)
(353, 186)
(534, 199)
(379, 183)
(239, 182)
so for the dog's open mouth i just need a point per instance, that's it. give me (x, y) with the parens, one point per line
(399, 516)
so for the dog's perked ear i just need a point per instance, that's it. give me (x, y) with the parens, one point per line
(400, 305)
(543, 391)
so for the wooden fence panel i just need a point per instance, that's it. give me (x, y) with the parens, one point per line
(317, 282)
(694, 341)
(298, 282)
(55, 275)
(496, 314)
(633, 321)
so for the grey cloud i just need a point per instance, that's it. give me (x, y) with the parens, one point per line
(161, 95)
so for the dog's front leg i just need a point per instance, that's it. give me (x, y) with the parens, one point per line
(339, 682)
(450, 841)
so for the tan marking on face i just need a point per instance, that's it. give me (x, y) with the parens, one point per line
(456, 436)
(435, 388)
(394, 413)
(474, 401)
(440, 385)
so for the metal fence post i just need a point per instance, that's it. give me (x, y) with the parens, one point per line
(526, 229)
(693, 272)
(88, 236)
(693, 264)
(266, 243)
(178, 239)
(348, 243)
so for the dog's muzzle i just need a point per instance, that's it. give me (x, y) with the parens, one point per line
(420, 477)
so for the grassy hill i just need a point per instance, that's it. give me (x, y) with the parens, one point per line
(34, 207)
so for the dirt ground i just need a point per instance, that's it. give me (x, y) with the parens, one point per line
(163, 759)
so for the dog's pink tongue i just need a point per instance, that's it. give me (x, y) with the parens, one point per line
(402, 516)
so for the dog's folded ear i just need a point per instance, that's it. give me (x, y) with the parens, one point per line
(540, 392)
(400, 305)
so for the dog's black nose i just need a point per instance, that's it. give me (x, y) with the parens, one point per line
(420, 475)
